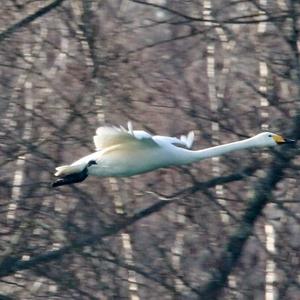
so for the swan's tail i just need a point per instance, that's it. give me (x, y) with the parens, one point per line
(66, 170)
(188, 139)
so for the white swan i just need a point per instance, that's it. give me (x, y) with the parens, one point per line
(122, 152)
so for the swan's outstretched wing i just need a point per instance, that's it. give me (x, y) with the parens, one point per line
(110, 136)
(188, 139)
(184, 141)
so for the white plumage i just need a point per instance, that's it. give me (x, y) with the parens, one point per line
(121, 152)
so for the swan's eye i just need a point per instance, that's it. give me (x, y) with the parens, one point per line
(270, 135)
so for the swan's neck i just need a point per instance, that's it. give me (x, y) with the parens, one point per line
(193, 156)
(223, 149)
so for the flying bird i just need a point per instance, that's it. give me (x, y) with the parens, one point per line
(124, 152)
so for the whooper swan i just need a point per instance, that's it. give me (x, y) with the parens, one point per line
(121, 152)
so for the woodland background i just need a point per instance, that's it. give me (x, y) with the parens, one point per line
(226, 228)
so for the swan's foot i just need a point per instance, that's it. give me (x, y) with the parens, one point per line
(75, 177)
(69, 179)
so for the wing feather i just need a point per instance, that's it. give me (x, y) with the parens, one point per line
(110, 136)
(184, 141)
(188, 140)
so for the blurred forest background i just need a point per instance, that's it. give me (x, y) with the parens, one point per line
(226, 228)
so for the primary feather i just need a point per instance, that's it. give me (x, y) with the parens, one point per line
(110, 136)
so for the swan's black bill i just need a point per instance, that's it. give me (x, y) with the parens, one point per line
(284, 141)
(289, 141)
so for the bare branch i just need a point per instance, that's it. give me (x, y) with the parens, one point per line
(12, 264)
(233, 250)
(29, 19)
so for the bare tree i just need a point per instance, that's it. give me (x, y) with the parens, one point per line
(223, 229)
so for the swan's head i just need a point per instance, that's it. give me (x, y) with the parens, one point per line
(270, 139)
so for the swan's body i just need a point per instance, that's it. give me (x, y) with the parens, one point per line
(127, 153)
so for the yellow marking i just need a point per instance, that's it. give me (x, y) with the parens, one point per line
(278, 139)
